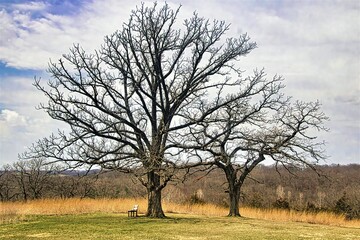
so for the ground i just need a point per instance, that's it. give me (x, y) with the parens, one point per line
(176, 226)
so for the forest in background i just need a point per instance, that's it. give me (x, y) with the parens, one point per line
(334, 188)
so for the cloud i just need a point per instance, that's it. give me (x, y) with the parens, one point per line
(7, 30)
(17, 93)
(48, 36)
(30, 39)
(12, 118)
(352, 98)
(19, 101)
(11, 124)
(20, 123)
(30, 6)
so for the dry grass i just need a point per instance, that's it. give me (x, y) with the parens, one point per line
(9, 215)
(70, 206)
(15, 211)
(325, 218)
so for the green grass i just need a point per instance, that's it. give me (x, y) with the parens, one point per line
(176, 226)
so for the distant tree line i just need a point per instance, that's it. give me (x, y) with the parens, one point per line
(336, 187)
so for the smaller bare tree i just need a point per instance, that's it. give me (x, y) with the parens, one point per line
(263, 124)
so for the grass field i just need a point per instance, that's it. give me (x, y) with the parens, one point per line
(176, 226)
(107, 219)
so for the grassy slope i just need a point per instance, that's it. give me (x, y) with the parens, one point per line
(176, 226)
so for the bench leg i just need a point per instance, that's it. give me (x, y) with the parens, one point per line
(132, 213)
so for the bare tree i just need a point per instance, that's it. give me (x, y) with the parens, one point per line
(264, 124)
(32, 177)
(128, 102)
(8, 190)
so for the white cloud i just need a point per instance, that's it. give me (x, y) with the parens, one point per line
(11, 118)
(36, 40)
(29, 43)
(20, 123)
(17, 93)
(7, 29)
(30, 6)
(11, 124)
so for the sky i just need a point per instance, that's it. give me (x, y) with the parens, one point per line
(313, 44)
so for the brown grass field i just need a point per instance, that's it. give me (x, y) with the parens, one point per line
(18, 211)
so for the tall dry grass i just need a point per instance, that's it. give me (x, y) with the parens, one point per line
(326, 218)
(15, 211)
(70, 206)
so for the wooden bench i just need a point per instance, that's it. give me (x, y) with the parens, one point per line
(133, 212)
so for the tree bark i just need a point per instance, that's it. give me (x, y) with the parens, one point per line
(234, 200)
(234, 191)
(154, 196)
(236, 182)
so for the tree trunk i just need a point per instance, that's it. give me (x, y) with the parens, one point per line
(234, 191)
(235, 183)
(154, 196)
(234, 198)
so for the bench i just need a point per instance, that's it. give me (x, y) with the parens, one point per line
(133, 212)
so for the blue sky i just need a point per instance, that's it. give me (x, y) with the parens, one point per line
(313, 44)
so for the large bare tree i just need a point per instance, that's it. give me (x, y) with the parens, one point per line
(127, 103)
